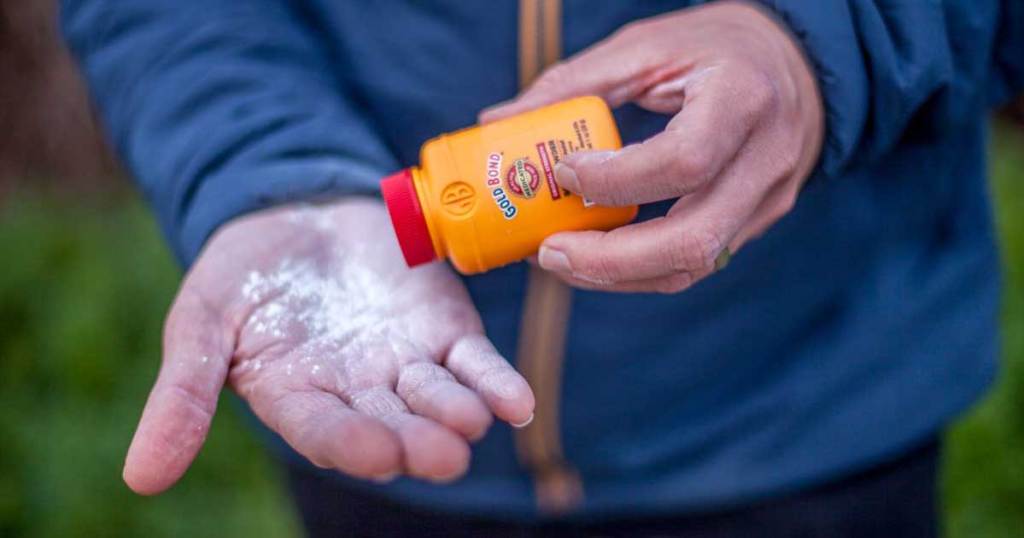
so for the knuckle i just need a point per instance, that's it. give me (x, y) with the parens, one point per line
(361, 455)
(607, 265)
(762, 93)
(597, 270)
(693, 165)
(788, 203)
(377, 401)
(603, 190)
(784, 204)
(555, 76)
(189, 396)
(629, 31)
(694, 252)
(607, 271)
(413, 377)
(788, 163)
(604, 179)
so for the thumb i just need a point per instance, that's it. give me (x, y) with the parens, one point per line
(177, 415)
(613, 70)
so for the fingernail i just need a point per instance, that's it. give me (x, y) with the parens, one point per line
(523, 424)
(566, 177)
(448, 478)
(385, 478)
(723, 259)
(553, 260)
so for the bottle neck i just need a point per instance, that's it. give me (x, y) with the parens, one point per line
(422, 185)
(408, 218)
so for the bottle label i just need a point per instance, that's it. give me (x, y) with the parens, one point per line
(522, 178)
(528, 170)
(507, 208)
(549, 169)
(550, 152)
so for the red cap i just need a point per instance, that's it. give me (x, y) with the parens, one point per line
(407, 218)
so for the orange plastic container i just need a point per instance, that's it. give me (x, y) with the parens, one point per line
(486, 196)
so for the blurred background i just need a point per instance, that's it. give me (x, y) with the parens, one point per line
(85, 280)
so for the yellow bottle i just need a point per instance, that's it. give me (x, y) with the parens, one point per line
(486, 196)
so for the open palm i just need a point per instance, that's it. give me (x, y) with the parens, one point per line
(359, 363)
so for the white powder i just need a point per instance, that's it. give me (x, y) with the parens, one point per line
(327, 315)
(297, 295)
(326, 312)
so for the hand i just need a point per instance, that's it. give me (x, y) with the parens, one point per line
(746, 132)
(359, 363)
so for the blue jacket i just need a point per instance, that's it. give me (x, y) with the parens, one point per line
(860, 324)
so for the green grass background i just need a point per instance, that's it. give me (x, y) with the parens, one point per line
(84, 285)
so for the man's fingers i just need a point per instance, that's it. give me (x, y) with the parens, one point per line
(318, 425)
(616, 69)
(432, 391)
(776, 204)
(674, 283)
(669, 165)
(687, 243)
(180, 407)
(476, 364)
(431, 451)
(699, 142)
(650, 249)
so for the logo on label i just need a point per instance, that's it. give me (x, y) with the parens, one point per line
(507, 208)
(522, 178)
(458, 198)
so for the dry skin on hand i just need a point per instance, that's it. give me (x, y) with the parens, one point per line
(331, 321)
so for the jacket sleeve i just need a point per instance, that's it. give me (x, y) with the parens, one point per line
(893, 69)
(1008, 57)
(220, 107)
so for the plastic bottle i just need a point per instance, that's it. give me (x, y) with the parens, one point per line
(486, 196)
